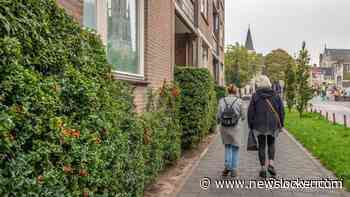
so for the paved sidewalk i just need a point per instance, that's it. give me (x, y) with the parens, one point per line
(291, 162)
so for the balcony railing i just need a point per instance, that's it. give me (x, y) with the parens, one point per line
(187, 7)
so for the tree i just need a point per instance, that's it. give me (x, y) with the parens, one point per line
(303, 89)
(290, 86)
(276, 63)
(241, 65)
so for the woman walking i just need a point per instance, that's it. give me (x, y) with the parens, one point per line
(229, 114)
(266, 119)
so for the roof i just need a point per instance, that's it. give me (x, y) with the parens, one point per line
(249, 41)
(337, 54)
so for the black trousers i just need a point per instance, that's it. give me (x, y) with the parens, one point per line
(264, 140)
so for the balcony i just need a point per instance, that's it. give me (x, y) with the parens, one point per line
(187, 8)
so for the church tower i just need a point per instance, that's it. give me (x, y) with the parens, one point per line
(249, 42)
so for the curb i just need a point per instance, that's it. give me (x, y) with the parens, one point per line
(324, 170)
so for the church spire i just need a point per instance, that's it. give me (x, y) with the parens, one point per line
(249, 41)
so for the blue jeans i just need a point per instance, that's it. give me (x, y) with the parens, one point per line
(231, 156)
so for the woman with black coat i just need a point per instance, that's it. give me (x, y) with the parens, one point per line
(266, 120)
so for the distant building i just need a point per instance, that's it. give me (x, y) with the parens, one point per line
(322, 75)
(249, 42)
(249, 45)
(339, 61)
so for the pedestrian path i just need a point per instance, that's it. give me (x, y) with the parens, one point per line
(291, 162)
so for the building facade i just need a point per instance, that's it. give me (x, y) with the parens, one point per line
(322, 76)
(339, 60)
(145, 39)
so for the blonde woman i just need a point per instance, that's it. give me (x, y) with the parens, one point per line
(229, 114)
(266, 119)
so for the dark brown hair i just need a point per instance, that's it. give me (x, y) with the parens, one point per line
(231, 89)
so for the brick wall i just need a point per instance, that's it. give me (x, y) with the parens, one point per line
(160, 41)
(159, 47)
(205, 25)
(73, 8)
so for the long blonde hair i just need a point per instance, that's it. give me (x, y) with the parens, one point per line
(262, 82)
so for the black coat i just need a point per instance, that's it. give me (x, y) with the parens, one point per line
(260, 115)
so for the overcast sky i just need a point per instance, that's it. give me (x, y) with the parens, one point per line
(286, 23)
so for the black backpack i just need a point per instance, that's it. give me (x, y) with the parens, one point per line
(229, 117)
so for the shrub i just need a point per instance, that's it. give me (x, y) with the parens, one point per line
(161, 130)
(198, 104)
(220, 92)
(67, 128)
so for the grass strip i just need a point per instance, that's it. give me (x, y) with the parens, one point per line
(327, 142)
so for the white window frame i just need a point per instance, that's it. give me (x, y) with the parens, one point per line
(102, 30)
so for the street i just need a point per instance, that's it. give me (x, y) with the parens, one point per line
(338, 108)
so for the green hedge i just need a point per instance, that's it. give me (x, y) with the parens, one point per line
(198, 103)
(162, 130)
(66, 128)
(220, 92)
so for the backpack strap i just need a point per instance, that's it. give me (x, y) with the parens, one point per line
(230, 106)
(233, 102)
(225, 103)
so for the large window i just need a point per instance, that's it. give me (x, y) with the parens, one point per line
(120, 23)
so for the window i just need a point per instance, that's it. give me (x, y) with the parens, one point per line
(120, 24)
(90, 15)
(204, 8)
(222, 37)
(205, 55)
(216, 25)
(221, 74)
(216, 71)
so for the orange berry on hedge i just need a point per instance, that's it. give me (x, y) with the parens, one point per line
(97, 141)
(83, 172)
(175, 92)
(67, 169)
(40, 179)
(85, 194)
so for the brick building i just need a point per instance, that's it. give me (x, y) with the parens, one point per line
(145, 38)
